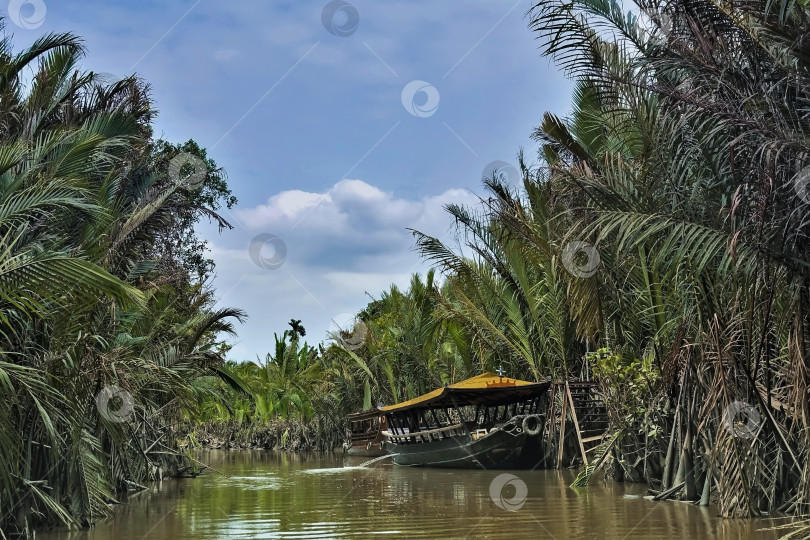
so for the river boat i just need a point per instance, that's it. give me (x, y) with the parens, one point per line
(485, 422)
(364, 434)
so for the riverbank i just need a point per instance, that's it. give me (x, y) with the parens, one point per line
(278, 435)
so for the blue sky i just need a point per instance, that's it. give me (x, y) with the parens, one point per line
(312, 129)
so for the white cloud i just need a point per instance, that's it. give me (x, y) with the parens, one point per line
(342, 243)
(350, 206)
(287, 206)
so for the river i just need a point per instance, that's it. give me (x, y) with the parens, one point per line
(281, 495)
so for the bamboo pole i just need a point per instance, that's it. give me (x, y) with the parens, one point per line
(549, 422)
(562, 430)
(576, 424)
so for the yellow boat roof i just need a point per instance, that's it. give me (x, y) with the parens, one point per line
(485, 388)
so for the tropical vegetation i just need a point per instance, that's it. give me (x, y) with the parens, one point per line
(107, 324)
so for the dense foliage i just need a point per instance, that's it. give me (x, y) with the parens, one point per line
(106, 316)
(667, 221)
(685, 165)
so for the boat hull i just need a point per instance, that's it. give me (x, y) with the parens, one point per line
(374, 451)
(498, 450)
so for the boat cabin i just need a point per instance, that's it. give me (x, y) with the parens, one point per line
(444, 427)
(364, 436)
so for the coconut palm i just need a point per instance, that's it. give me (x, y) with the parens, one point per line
(695, 208)
(88, 298)
(285, 384)
(696, 204)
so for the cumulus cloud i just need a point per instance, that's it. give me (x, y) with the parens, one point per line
(344, 244)
(348, 200)
(352, 221)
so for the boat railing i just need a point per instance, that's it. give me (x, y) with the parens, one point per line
(356, 438)
(453, 430)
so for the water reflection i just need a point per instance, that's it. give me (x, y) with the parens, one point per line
(277, 495)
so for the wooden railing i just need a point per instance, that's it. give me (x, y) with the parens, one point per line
(428, 435)
(357, 438)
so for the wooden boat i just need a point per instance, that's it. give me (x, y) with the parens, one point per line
(365, 436)
(485, 422)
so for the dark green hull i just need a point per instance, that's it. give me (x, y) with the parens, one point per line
(498, 450)
(363, 451)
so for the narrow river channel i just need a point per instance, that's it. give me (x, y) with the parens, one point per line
(279, 495)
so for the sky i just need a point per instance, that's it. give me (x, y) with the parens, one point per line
(340, 126)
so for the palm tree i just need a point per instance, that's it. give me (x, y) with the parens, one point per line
(86, 299)
(693, 206)
(297, 330)
(510, 290)
(284, 385)
(702, 230)
(403, 344)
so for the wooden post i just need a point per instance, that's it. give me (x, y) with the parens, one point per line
(549, 422)
(460, 415)
(436, 419)
(562, 430)
(576, 424)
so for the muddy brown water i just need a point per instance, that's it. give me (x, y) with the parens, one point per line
(279, 495)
